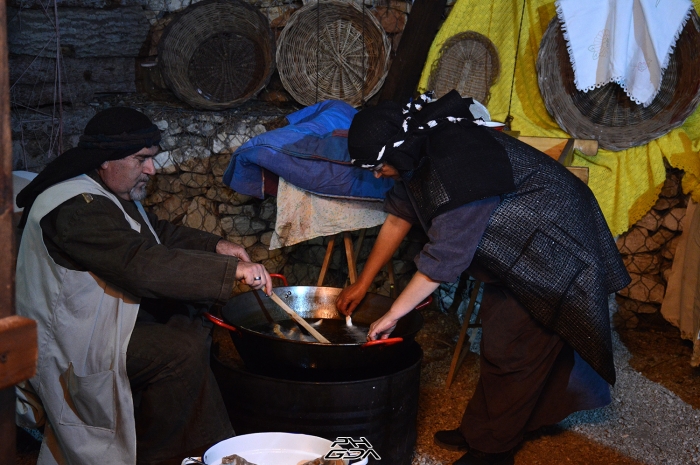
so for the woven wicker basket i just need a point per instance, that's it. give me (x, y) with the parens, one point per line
(332, 50)
(217, 54)
(607, 114)
(468, 62)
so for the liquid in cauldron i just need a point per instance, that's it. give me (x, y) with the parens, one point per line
(335, 330)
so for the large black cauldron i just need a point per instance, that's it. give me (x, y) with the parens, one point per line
(269, 354)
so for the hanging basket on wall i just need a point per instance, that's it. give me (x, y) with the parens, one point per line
(332, 50)
(607, 114)
(468, 62)
(217, 54)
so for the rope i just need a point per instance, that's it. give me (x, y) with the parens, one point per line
(318, 44)
(509, 118)
(364, 73)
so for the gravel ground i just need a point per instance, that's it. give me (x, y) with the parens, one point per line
(645, 424)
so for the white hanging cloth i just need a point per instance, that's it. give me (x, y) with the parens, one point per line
(624, 41)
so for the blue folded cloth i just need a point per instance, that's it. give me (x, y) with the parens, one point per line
(310, 153)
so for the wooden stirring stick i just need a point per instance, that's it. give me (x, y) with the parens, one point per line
(295, 316)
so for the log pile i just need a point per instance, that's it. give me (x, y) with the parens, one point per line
(647, 250)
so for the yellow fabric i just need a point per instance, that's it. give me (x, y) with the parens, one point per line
(626, 183)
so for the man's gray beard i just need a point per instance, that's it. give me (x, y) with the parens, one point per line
(138, 193)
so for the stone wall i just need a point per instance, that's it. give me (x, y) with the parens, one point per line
(648, 249)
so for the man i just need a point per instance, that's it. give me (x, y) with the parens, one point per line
(521, 223)
(106, 282)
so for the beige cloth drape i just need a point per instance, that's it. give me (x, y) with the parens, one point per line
(681, 305)
(302, 215)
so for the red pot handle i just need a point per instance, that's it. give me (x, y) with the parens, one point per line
(219, 322)
(385, 342)
(280, 276)
(425, 303)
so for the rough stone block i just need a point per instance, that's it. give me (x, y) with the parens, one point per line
(669, 250)
(642, 263)
(169, 183)
(673, 219)
(664, 203)
(644, 288)
(196, 164)
(392, 20)
(651, 221)
(196, 180)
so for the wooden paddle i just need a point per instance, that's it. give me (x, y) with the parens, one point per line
(295, 316)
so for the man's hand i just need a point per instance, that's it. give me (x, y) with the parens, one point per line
(350, 297)
(254, 275)
(225, 247)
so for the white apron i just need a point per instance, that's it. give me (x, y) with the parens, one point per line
(84, 326)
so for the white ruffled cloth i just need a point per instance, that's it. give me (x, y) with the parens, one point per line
(624, 41)
(302, 215)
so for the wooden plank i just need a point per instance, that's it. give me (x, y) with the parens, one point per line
(580, 172)
(7, 236)
(350, 254)
(553, 146)
(459, 354)
(18, 350)
(326, 262)
(296, 317)
(406, 68)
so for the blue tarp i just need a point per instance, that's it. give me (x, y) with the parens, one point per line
(310, 153)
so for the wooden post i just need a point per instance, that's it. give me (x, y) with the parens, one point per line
(459, 353)
(18, 347)
(7, 264)
(352, 270)
(422, 26)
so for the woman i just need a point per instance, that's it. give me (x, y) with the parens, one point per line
(531, 231)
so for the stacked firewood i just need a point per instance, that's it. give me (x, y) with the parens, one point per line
(647, 250)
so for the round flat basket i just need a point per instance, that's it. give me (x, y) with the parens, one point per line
(217, 54)
(607, 114)
(332, 50)
(469, 64)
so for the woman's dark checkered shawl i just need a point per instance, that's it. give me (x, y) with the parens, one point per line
(549, 242)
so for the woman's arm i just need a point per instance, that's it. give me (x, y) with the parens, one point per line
(390, 236)
(420, 287)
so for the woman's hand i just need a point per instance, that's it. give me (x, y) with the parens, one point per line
(420, 287)
(350, 297)
(382, 328)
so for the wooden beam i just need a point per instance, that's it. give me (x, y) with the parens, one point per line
(350, 254)
(18, 350)
(554, 146)
(422, 25)
(7, 264)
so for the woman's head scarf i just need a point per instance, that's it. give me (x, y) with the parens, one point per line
(388, 133)
(111, 134)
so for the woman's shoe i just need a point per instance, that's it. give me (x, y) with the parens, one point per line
(450, 439)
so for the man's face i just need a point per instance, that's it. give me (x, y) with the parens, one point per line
(128, 177)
